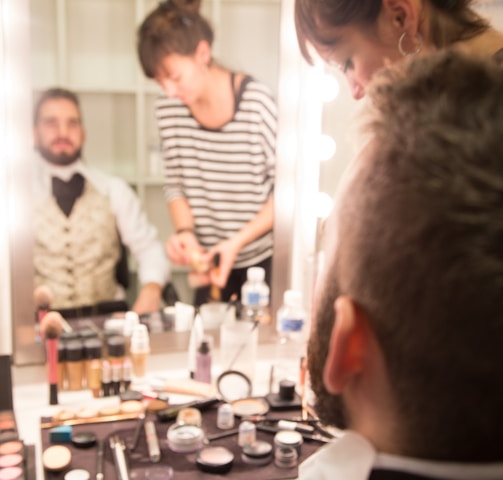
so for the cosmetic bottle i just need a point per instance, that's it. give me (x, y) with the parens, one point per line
(291, 317)
(291, 345)
(116, 351)
(92, 361)
(255, 296)
(106, 378)
(139, 350)
(127, 373)
(203, 362)
(74, 365)
(131, 319)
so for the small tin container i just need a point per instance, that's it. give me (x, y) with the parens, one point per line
(225, 417)
(289, 438)
(247, 433)
(257, 453)
(285, 457)
(189, 416)
(185, 438)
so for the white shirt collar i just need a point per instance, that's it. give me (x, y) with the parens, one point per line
(352, 457)
(64, 172)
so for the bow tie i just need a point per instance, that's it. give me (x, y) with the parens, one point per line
(67, 192)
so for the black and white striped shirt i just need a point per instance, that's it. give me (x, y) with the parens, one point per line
(225, 174)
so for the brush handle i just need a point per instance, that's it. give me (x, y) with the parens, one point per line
(51, 346)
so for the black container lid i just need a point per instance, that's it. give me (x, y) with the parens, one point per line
(61, 352)
(87, 333)
(69, 336)
(116, 346)
(92, 348)
(74, 351)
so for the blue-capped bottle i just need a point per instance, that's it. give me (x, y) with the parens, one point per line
(291, 317)
(255, 295)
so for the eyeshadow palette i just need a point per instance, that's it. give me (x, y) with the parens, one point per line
(13, 453)
(8, 430)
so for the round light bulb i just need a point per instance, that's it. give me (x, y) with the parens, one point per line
(326, 147)
(324, 204)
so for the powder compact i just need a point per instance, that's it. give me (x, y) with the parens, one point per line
(56, 458)
(257, 453)
(84, 439)
(215, 460)
(247, 407)
(288, 438)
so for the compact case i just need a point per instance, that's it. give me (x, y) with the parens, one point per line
(12, 450)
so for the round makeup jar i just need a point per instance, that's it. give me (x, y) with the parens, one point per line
(83, 439)
(288, 438)
(77, 474)
(189, 416)
(215, 460)
(185, 438)
(247, 433)
(225, 417)
(285, 457)
(56, 458)
(257, 453)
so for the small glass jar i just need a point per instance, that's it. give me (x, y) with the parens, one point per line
(225, 417)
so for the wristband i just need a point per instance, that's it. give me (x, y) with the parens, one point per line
(186, 229)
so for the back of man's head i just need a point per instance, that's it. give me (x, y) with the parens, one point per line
(421, 251)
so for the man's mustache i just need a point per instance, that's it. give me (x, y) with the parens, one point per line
(62, 140)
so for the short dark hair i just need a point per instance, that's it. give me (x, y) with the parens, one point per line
(451, 20)
(421, 250)
(174, 26)
(51, 94)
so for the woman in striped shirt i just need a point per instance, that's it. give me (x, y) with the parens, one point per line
(218, 137)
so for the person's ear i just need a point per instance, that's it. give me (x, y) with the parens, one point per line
(404, 14)
(203, 53)
(346, 353)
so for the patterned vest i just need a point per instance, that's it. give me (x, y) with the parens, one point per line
(76, 256)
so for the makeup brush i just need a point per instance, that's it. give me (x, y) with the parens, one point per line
(42, 296)
(215, 292)
(51, 328)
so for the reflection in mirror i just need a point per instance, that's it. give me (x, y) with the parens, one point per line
(101, 66)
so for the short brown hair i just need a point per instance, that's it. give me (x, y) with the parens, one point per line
(174, 26)
(421, 250)
(51, 94)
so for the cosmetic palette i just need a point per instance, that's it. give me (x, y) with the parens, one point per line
(12, 449)
(8, 429)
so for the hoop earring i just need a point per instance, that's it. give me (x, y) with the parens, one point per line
(418, 39)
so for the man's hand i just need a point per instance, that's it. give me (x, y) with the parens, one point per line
(149, 299)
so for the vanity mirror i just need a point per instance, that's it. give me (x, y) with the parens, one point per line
(89, 46)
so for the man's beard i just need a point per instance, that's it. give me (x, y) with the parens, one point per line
(330, 408)
(60, 159)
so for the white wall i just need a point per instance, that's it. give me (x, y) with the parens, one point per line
(15, 174)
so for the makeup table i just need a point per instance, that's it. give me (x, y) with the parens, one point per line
(31, 403)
